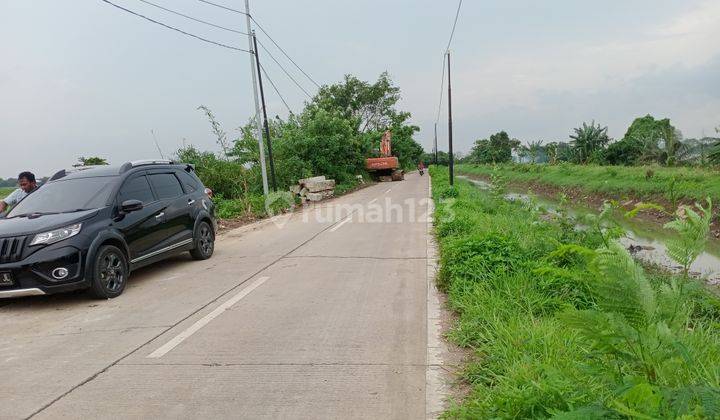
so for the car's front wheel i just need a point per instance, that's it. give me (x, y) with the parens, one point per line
(204, 242)
(110, 272)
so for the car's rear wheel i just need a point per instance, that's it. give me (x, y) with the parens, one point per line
(204, 242)
(110, 272)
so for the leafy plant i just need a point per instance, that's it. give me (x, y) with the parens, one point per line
(603, 223)
(640, 340)
(498, 185)
(641, 207)
(692, 230)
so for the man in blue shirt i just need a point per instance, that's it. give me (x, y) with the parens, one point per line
(27, 184)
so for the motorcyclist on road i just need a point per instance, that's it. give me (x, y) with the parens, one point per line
(421, 167)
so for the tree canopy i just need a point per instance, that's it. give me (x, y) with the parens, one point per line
(588, 142)
(497, 149)
(340, 127)
(90, 161)
(647, 140)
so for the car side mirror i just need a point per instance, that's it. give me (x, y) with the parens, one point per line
(129, 206)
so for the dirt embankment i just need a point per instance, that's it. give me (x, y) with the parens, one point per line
(578, 195)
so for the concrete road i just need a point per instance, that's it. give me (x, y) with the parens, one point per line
(322, 314)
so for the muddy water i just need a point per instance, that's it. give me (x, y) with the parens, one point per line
(645, 239)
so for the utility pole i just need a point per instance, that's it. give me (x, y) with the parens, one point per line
(257, 104)
(450, 133)
(265, 119)
(435, 148)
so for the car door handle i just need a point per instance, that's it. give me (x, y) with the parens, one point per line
(191, 202)
(160, 215)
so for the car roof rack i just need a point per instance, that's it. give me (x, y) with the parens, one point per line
(64, 172)
(135, 163)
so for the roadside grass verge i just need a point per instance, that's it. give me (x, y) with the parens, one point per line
(672, 184)
(561, 325)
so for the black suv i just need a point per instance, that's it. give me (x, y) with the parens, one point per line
(88, 228)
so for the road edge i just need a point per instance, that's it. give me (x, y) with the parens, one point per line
(436, 376)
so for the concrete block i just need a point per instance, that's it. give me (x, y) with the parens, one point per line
(312, 179)
(295, 189)
(314, 196)
(317, 186)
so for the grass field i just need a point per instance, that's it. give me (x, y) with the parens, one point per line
(640, 181)
(5, 191)
(561, 325)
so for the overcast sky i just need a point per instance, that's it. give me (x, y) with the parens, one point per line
(82, 78)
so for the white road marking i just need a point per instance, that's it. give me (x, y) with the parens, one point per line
(389, 189)
(205, 320)
(336, 227)
(373, 200)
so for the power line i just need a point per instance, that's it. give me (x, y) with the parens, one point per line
(175, 29)
(452, 33)
(285, 71)
(442, 86)
(267, 35)
(283, 51)
(442, 78)
(224, 7)
(275, 88)
(192, 18)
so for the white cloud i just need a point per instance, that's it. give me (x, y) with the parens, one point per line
(519, 77)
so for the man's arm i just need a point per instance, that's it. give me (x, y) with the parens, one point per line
(9, 201)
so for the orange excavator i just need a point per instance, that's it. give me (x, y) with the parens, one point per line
(386, 167)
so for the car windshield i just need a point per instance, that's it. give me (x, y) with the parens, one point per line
(66, 196)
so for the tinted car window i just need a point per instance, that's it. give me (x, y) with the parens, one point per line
(137, 188)
(189, 183)
(166, 185)
(67, 195)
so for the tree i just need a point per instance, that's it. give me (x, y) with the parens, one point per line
(714, 155)
(647, 140)
(90, 161)
(334, 133)
(443, 158)
(535, 150)
(589, 142)
(497, 149)
(370, 106)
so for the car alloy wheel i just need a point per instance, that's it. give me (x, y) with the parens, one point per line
(112, 272)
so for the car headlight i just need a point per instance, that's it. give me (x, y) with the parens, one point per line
(56, 235)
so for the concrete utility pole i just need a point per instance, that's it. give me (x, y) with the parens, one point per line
(265, 119)
(450, 146)
(257, 103)
(435, 152)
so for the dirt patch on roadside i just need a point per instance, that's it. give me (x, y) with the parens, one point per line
(456, 357)
(226, 225)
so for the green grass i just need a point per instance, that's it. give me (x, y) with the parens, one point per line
(5, 191)
(512, 277)
(680, 183)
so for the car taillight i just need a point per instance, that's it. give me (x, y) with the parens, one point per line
(209, 192)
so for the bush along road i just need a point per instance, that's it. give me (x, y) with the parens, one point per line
(563, 323)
